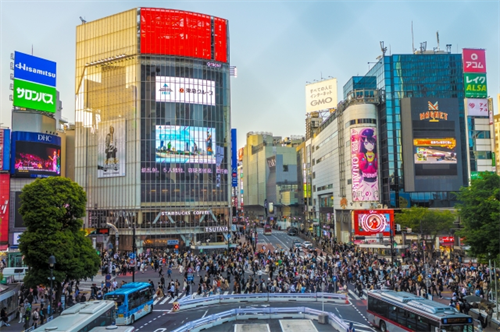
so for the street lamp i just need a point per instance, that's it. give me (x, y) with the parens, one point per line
(52, 262)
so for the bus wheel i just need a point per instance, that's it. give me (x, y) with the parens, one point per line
(383, 328)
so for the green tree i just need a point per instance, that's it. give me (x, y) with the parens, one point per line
(479, 213)
(52, 211)
(426, 221)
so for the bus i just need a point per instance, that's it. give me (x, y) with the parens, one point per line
(113, 328)
(82, 317)
(401, 311)
(133, 301)
(267, 230)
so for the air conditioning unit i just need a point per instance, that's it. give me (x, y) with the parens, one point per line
(380, 206)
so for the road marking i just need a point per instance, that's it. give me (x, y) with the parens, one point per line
(156, 301)
(353, 295)
(165, 300)
(226, 292)
(204, 314)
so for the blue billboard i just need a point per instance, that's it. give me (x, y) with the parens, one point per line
(35, 155)
(234, 159)
(5, 145)
(34, 69)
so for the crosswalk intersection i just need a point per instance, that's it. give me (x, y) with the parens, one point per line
(169, 300)
(354, 295)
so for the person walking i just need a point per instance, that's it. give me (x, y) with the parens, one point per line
(22, 312)
(36, 317)
(4, 317)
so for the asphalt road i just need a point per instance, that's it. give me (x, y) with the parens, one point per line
(162, 319)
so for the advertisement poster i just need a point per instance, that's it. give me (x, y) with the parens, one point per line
(435, 150)
(185, 90)
(177, 144)
(34, 96)
(364, 164)
(34, 69)
(477, 107)
(373, 222)
(35, 155)
(474, 60)
(111, 149)
(4, 207)
(321, 95)
(475, 85)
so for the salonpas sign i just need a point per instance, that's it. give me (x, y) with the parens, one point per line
(34, 96)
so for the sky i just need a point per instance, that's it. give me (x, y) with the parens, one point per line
(277, 46)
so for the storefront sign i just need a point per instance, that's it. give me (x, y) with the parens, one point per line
(216, 229)
(446, 240)
(185, 213)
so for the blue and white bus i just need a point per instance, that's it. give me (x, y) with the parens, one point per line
(133, 301)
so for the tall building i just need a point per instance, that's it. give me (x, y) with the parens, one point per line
(270, 176)
(153, 126)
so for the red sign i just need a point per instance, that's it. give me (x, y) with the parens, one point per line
(2, 133)
(182, 33)
(373, 222)
(474, 60)
(446, 240)
(4, 207)
(103, 231)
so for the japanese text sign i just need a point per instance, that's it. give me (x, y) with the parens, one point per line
(474, 60)
(475, 85)
(321, 95)
(34, 96)
(477, 107)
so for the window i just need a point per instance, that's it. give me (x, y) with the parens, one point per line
(285, 168)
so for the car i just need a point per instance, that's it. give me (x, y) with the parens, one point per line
(307, 244)
(297, 245)
(292, 232)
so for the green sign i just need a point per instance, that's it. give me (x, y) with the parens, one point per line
(475, 85)
(34, 96)
(475, 175)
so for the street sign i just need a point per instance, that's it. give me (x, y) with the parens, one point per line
(190, 277)
(131, 255)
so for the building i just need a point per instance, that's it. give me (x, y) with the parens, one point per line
(153, 126)
(270, 176)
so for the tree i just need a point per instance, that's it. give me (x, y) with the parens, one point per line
(52, 211)
(479, 213)
(427, 221)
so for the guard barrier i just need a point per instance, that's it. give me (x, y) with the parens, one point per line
(188, 302)
(261, 313)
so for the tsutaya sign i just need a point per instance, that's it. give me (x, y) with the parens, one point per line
(216, 229)
(185, 213)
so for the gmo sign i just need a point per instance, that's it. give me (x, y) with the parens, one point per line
(321, 101)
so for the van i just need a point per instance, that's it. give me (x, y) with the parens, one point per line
(18, 273)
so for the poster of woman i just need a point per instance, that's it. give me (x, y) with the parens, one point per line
(364, 163)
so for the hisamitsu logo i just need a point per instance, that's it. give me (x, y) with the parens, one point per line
(23, 66)
(34, 69)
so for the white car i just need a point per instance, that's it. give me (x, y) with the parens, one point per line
(307, 244)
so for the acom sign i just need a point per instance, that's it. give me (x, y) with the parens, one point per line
(321, 95)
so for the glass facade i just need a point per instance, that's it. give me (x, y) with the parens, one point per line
(153, 124)
(413, 76)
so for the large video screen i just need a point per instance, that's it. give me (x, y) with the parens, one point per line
(34, 159)
(435, 150)
(182, 144)
(373, 222)
(364, 166)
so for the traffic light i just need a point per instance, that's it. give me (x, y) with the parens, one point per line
(176, 246)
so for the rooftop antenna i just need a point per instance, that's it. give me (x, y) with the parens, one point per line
(382, 48)
(83, 21)
(412, 39)
(437, 37)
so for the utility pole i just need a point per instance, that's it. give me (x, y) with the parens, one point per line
(134, 249)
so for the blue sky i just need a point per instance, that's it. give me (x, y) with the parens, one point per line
(277, 45)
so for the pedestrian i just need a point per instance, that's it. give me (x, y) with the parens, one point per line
(21, 312)
(36, 317)
(4, 317)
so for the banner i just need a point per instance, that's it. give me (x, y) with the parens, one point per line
(185, 90)
(37, 70)
(364, 164)
(477, 107)
(35, 96)
(234, 159)
(321, 95)
(475, 85)
(474, 60)
(111, 149)
(4, 207)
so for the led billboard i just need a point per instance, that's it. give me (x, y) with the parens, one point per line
(364, 164)
(183, 144)
(185, 90)
(111, 149)
(477, 107)
(373, 222)
(475, 85)
(182, 33)
(34, 96)
(431, 144)
(435, 151)
(4, 207)
(321, 95)
(474, 60)
(35, 155)
(34, 69)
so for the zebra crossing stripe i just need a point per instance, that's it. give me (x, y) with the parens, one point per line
(226, 292)
(164, 300)
(356, 297)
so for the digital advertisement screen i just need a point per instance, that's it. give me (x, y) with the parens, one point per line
(111, 149)
(182, 144)
(38, 159)
(435, 151)
(364, 164)
(185, 90)
(373, 222)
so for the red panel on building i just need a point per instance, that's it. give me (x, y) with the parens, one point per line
(176, 32)
(220, 26)
(4, 207)
(373, 222)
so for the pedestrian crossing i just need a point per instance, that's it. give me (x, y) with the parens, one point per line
(360, 327)
(169, 300)
(354, 295)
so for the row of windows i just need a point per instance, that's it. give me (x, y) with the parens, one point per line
(139, 297)
(360, 121)
(325, 141)
(480, 134)
(326, 156)
(325, 187)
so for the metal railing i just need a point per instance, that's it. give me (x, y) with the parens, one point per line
(261, 313)
(189, 302)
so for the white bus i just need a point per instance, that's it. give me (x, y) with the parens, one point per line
(401, 311)
(82, 317)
